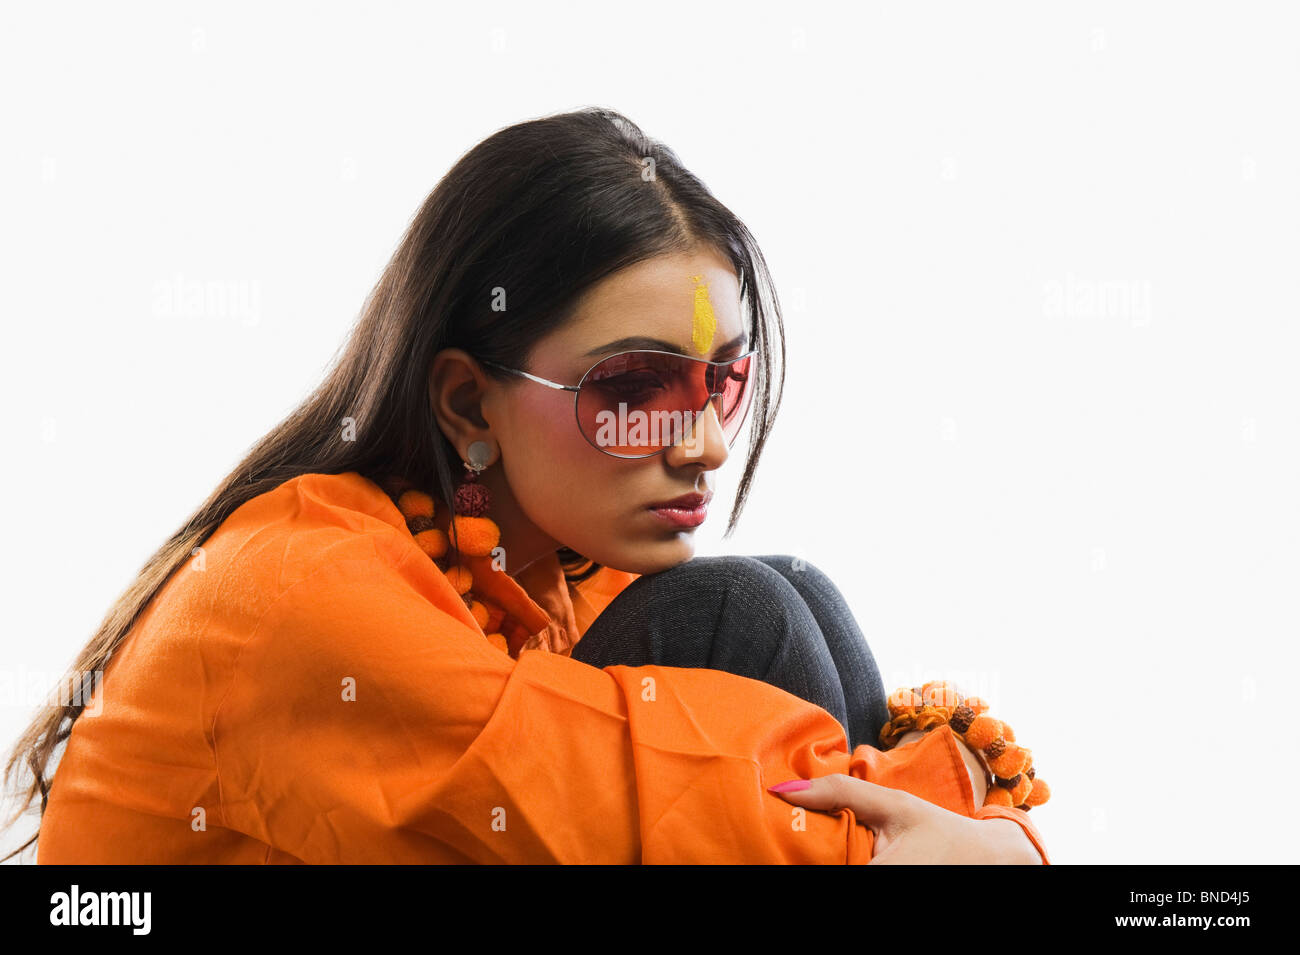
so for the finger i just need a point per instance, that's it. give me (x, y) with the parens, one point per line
(872, 804)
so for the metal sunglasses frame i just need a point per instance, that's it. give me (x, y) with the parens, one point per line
(636, 351)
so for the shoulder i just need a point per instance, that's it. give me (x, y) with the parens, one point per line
(288, 533)
(296, 538)
(325, 561)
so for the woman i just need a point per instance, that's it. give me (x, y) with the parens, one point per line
(325, 664)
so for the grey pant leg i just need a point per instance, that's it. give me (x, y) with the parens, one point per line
(864, 691)
(732, 613)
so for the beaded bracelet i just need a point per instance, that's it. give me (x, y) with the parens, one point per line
(938, 702)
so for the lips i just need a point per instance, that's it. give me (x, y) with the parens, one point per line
(687, 502)
(682, 513)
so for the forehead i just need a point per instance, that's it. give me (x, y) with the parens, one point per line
(689, 299)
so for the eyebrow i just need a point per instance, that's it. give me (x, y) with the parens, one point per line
(641, 341)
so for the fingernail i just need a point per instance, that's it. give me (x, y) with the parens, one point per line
(792, 786)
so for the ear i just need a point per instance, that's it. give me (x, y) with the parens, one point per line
(457, 387)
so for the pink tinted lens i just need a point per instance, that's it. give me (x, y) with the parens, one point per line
(638, 403)
(737, 391)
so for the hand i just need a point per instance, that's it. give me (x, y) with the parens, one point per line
(910, 830)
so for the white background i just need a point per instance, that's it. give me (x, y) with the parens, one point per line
(1039, 264)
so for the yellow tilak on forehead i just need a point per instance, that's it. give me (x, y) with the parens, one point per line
(705, 323)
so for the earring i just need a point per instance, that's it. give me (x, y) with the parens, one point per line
(474, 532)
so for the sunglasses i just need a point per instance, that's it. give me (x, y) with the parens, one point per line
(638, 403)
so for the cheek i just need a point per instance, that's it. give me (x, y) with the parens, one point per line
(554, 473)
(557, 451)
(571, 490)
(586, 499)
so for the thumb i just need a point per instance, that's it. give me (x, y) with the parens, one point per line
(872, 804)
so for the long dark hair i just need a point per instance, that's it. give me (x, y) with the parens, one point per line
(556, 204)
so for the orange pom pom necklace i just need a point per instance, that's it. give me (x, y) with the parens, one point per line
(469, 532)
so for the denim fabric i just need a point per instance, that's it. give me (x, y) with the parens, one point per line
(766, 618)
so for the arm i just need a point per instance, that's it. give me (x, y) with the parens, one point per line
(362, 722)
(979, 780)
(1013, 824)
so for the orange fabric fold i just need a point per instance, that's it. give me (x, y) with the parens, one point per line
(317, 692)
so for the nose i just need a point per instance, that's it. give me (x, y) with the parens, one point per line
(704, 441)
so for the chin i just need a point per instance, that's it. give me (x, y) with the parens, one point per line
(652, 558)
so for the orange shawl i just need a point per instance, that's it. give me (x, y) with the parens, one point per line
(310, 688)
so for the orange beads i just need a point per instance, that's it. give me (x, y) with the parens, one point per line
(433, 542)
(941, 693)
(1013, 760)
(415, 504)
(479, 612)
(940, 701)
(1020, 791)
(461, 579)
(983, 731)
(1039, 794)
(475, 536)
(468, 533)
(903, 700)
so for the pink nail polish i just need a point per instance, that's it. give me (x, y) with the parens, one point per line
(793, 785)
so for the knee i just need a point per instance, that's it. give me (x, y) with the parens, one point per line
(722, 571)
(778, 585)
(742, 582)
(765, 612)
(793, 567)
(705, 581)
